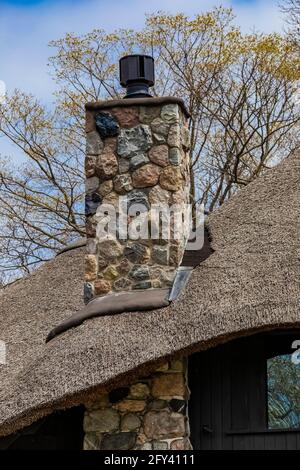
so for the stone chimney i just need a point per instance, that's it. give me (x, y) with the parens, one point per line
(138, 148)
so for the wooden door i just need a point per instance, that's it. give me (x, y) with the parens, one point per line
(241, 398)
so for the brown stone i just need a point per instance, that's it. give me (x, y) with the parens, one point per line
(92, 441)
(90, 124)
(90, 227)
(105, 188)
(111, 198)
(127, 117)
(124, 267)
(168, 385)
(102, 286)
(89, 165)
(146, 176)
(130, 405)
(102, 401)
(163, 424)
(122, 284)
(139, 390)
(107, 162)
(90, 267)
(159, 154)
(171, 178)
(157, 195)
(179, 444)
(110, 249)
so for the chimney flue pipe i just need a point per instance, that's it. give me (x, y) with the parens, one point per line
(137, 75)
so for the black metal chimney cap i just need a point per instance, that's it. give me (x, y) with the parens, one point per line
(137, 75)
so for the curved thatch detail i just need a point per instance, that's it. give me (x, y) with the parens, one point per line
(251, 282)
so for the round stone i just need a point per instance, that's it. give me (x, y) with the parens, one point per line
(174, 137)
(148, 113)
(170, 113)
(157, 195)
(146, 176)
(160, 127)
(110, 249)
(132, 142)
(127, 117)
(102, 286)
(139, 273)
(159, 154)
(130, 422)
(171, 178)
(90, 267)
(105, 188)
(122, 284)
(122, 183)
(175, 156)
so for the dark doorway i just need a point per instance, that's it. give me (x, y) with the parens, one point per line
(246, 394)
(61, 430)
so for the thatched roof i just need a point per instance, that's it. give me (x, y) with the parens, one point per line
(251, 282)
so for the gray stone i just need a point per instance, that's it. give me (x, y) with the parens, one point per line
(157, 195)
(123, 183)
(160, 139)
(170, 113)
(157, 405)
(146, 446)
(148, 113)
(138, 160)
(174, 137)
(91, 246)
(174, 156)
(92, 441)
(136, 253)
(106, 125)
(94, 144)
(142, 285)
(160, 445)
(91, 184)
(124, 165)
(160, 255)
(88, 292)
(132, 142)
(185, 137)
(119, 441)
(160, 127)
(105, 420)
(130, 422)
(139, 273)
(137, 197)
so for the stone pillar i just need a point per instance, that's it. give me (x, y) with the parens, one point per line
(136, 148)
(149, 414)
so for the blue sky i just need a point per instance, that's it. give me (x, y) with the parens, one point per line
(27, 26)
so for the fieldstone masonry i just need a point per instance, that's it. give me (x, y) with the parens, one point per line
(149, 414)
(141, 151)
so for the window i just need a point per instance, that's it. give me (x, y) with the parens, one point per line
(283, 381)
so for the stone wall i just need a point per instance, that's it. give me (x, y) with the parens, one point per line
(150, 414)
(140, 152)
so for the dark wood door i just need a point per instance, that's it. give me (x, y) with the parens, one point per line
(236, 403)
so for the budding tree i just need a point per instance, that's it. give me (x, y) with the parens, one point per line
(239, 89)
